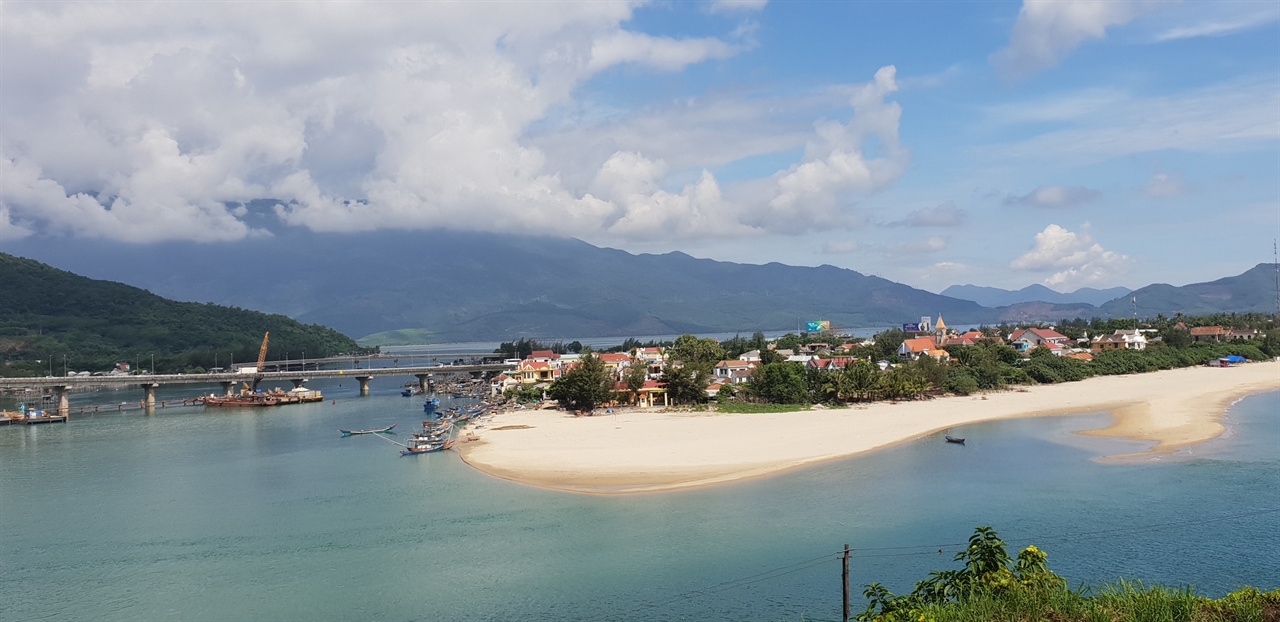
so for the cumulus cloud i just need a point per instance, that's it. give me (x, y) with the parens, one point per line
(941, 215)
(155, 121)
(808, 194)
(10, 230)
(1046, 30)
(1163, 186)
(1055, 196)
(629, 183)
(1075, 259)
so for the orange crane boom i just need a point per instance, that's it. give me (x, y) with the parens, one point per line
(262, 352)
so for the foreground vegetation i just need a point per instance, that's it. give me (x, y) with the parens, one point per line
(53, 320)
(992, 587)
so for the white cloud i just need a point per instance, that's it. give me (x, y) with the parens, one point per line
(149, 207)
(732, 6)
(1163, 186)
(659, 52)
(808, 194)
(1075, 258)
(10, 230)
(1055, 196)
(630, 182)
(1227, 117)
(942, 215)
(1217, 24)
(154, 121)
(1046, 30)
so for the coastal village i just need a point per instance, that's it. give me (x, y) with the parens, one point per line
(927, 338)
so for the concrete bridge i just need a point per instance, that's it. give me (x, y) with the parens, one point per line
(61, 385)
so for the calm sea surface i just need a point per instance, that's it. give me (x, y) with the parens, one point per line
(271, 515)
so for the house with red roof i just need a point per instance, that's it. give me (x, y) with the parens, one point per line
(1026, 339)
(1208, 333)
(542, 355)
(832, 364)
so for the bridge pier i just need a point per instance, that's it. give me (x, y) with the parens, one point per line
(364, 384)
(226, 387)
(64, 405)
(424, 381)
(149, 390)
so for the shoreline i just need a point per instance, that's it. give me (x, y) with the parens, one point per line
(650, 450)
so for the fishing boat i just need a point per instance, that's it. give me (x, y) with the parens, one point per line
(247, 399)
(414, 449)
(430, 405)
(369, 431)
(955, 439)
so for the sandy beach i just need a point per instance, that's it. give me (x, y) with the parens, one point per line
(650, 450)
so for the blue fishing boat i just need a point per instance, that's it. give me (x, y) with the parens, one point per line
(430, 405)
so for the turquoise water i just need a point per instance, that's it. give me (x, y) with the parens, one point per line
(271, 515)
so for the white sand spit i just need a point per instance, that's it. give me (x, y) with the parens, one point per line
(649, 450)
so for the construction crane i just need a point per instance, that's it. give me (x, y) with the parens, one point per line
(262, 352)
(262, 358)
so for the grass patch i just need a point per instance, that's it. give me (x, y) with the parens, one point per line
(747, 408)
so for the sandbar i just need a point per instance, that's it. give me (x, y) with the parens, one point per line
(648, 450)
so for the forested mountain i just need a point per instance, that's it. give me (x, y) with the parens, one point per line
(439, 286)
(1253, 291)
(461, 286)
(49, 313)
(996, 297)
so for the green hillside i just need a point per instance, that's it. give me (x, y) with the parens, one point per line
(48, 314)
(1253, 291)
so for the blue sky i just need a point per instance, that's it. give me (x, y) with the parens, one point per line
(997, 143)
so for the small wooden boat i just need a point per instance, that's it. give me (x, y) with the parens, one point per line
(413, 450)
(954, 439)
(370, 431)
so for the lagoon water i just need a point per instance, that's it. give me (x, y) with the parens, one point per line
(189, 514)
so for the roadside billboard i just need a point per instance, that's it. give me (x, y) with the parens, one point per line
(819, 326)
(912, 327)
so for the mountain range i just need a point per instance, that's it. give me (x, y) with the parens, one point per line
(440, 286)
(996, 297)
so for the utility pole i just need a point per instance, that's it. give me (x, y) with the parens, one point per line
(844, 576)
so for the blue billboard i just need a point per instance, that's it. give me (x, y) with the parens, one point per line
(911, 327)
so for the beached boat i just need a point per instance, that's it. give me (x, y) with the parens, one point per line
(370, 431)
(954, 439)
